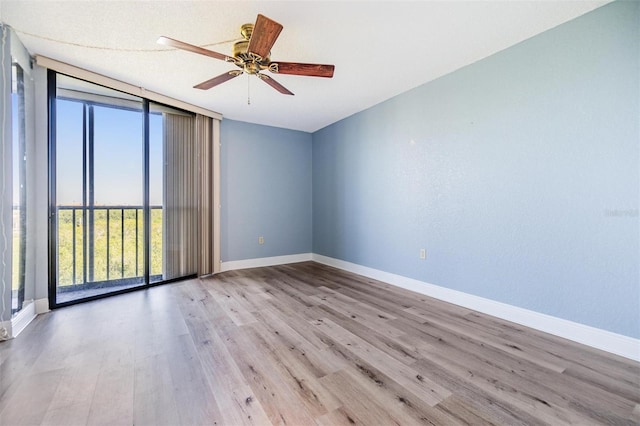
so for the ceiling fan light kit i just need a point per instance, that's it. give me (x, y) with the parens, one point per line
(252, 55)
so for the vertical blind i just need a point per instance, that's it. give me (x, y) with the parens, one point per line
(188, 195)
(204, 136)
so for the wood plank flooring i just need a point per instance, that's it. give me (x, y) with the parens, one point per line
(301, 344)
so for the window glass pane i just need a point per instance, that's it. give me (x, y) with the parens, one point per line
(69, 125)
(19, 190)
(156, 192)
(99, 190)
(118, 157)
(118, 188)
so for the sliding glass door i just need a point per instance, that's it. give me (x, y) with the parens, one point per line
(120, 167)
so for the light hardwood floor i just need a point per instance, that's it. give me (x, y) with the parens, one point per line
(301, 344)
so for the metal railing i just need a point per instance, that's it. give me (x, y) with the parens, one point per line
(104, 243)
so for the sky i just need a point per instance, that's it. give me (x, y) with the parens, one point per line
(118, 145)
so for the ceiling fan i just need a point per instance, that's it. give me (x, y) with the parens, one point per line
(252, 55)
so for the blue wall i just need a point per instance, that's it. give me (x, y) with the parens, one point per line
(519, 174)
(269, 170)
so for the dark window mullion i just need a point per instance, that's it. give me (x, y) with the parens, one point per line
(122, 243)
(145, 192)
(91, 195)
(53, 229)
(84, 192)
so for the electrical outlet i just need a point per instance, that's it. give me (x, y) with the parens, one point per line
(260, 240)
(423, 254)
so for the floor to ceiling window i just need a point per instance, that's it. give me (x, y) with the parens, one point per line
(19, 168)
(121, 173)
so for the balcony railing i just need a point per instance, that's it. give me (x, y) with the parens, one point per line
(111, 239)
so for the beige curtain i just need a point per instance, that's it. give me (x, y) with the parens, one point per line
(204, 136)
(189, 225)
(180, 198)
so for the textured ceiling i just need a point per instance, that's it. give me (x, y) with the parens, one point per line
(380, 49)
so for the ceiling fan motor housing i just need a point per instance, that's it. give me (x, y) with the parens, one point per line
(240, 48)
(252, 63)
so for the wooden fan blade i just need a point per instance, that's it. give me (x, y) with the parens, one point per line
(191, 48)
(271, 82)
(218, 80)
(311, 70)
(264, 35)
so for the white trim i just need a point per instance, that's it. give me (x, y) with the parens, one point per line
(23, 318)
(19, 52)
(93, 77)
(618, 344)
(42, 306)
(265, 261)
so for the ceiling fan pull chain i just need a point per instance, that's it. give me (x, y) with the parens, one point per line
(248, 89)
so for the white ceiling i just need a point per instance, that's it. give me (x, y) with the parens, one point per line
(380, 49)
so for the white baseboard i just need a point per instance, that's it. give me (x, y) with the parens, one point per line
(23, 318)
(264, 261)
(618, 344)
(42, 306)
